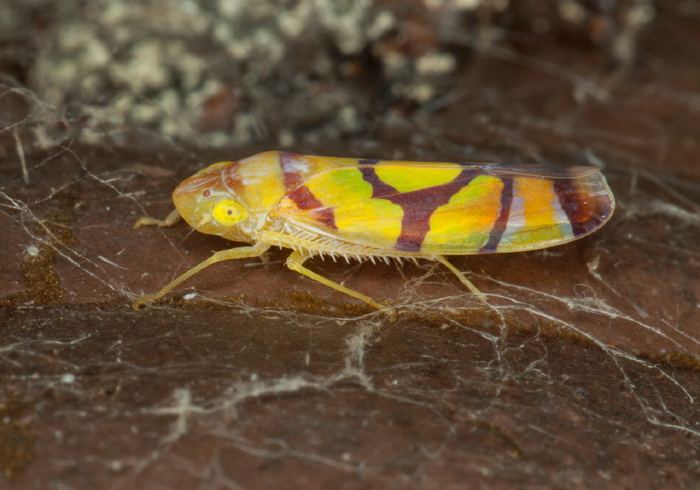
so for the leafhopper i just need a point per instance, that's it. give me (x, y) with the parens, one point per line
(377, 209)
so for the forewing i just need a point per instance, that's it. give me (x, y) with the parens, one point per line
(424, 209)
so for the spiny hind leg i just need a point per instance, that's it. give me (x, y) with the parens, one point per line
(170, 220)
(233, 253)
(463, 279)
(295, 262)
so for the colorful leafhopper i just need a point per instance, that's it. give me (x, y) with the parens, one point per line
(377, 209)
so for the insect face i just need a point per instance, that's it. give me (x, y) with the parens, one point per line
(208, 206)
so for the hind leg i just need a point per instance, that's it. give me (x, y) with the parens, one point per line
(463, 279)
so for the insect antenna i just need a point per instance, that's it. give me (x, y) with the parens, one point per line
(188, 235)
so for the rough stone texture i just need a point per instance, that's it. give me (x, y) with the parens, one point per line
(582, 373)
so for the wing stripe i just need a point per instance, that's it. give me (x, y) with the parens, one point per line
(380, 189)
(305, 200)
(418, 206)
(368, 161)
(499, 227)
(585, 212)
(290, 169)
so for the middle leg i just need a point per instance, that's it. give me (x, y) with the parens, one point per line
(295, 262)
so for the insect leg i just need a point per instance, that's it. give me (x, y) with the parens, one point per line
(295, 261)
(460, 276)
(170, 220)
(233, 253)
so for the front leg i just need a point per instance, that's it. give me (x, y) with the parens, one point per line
(295, 261)
(170, 220)
(233, 253)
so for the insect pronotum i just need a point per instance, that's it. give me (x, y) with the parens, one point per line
(367, 209)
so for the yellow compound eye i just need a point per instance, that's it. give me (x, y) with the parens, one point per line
(229, 212)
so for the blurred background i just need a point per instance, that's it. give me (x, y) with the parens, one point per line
(305, 73)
